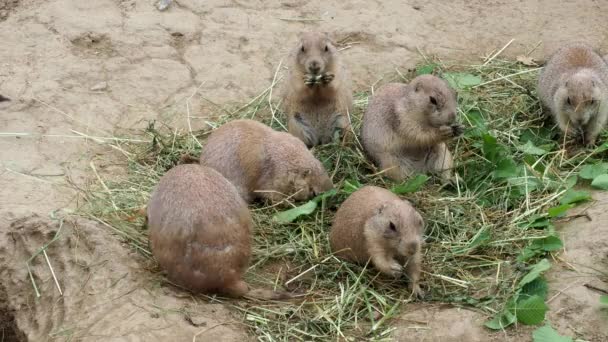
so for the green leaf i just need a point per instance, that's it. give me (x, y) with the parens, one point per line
(293, 213)
(479, 239)
(351, 186)
(529, 148)
(572, 196)
(490, 147)
(528, 253)
(501, 321)
(537, 287)
(307, 208)
(604, 300)
(537, 221)
(570, 182)
(535, 272)
(425, 69)
(548, 334)
(531, 310)
(411, 185)
(600, 182)
(560, 210)
(476, 121)
(461, 80)
(591, 171)
(506, 168)
(549, 244)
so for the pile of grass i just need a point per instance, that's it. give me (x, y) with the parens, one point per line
(487, 235)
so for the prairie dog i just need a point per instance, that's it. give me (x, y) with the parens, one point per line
(405, 127)
(200, 232)
(374, 224)
(263, 163)
(573, 85)
(317, 92)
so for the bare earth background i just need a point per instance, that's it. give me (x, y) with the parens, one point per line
(104, 67)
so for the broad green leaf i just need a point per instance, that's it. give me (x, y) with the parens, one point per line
(528, 253)
(531, 310)
(600, 182)
(537, 221)
(549, 244)
(426, 69)
(560, 210)
(501, 321)
(537, 287)
(529, 148)
(591, 171)
(351, 186)
(307, 208)
(572, 196)
(411, 185)
(461, 80)
(506, 168)
(604, 300)
(548, 334)
(293, 213)
(490, 147)
(535, 272)
(570, 182)
(476, 121)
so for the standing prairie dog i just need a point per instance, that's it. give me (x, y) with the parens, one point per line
(263, 163)
(374, 224)
(200, 232)
(317, 93)
(573, 85)
(405, 127)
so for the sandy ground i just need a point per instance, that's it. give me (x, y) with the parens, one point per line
(93, 68)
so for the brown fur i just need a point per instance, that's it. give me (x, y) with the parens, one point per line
(404, 132)
(263, 163)
(200, 232)
(362, 231)
(316, 112)
(573, 85)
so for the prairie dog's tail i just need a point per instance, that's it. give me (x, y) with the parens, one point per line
(264, 294)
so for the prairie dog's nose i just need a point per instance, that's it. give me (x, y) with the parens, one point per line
(412, 247)
(314, 67)
(452, 116)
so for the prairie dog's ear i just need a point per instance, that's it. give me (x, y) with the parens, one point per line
(417, 86)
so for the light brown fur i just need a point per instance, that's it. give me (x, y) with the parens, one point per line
(573, 85)
(200, 232)
(404, 132)
(362, 231)
(316, 112)
(263, 163)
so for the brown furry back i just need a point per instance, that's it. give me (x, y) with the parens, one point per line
(200, 228)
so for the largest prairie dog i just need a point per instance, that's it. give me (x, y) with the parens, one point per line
(573, 85)
(263, 163)
(406, 125)
(317, 93)
(200, 231)
(374, 224)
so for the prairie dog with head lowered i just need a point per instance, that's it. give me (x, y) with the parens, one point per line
(374, 224)
(263, 163)
(573, 85)
(317, 93)
(200, 232)
(406, 125)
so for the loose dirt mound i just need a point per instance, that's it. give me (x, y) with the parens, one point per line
(107, 292)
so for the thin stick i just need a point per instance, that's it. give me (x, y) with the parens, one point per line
(274, 81)
(301, 19)
(105, 187)
(307, 270)
(48, 262)
(188, 113)
(29, 271)
(498, 53)
(206, 330)
(505, 77)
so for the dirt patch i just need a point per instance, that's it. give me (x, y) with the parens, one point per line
(6, 6)
(9, 331)
(93, 45)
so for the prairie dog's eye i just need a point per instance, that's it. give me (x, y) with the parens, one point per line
(433, 100)
(568, 101)
(592, 102)
(326, 48)
(392, 227)
(302, 49)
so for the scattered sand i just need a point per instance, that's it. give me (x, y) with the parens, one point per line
(54, 55)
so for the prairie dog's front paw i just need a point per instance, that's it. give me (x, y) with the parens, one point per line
(327, 78)
(457, 129)
(417, 291)
(396, 270)
(446, 131)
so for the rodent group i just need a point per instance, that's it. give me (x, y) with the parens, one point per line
(199, 223)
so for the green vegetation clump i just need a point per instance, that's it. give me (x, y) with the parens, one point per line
(489, 235)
